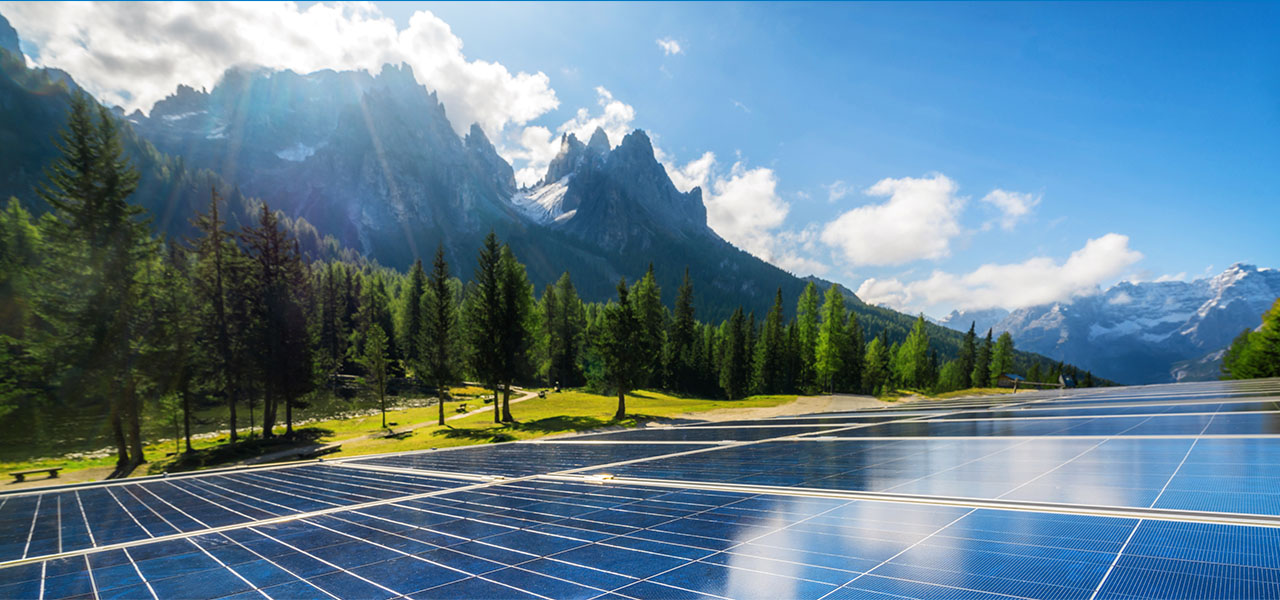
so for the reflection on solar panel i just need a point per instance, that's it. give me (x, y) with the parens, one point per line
(1019, 497)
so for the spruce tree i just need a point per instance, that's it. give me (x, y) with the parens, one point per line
(683, 340)
(968, 357)
(410, 329)
(619, 340)
(97, 240)
(852, 358)
(439, 337)
(807, 321)
(981, 376)
(1002, 357)
(647, 300)
(483, 324)
(568, 331)
(770, 351)
(375, 362)
(735, 365)
(876, 371)
(517, 326)
(831, 332)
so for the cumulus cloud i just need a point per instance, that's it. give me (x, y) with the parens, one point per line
(669, 46)
(918, 220)
(535, 146)
(1011, 286)
(1013, 206)
(745, 208)
(837, 190)
(134, 54)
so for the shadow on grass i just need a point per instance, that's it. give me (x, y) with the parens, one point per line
(488, 435)
(227, 453)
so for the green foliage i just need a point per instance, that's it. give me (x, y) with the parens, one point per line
(981, 375)
(735, 358)
(1002, 357)
(911, 364)
(618, 338)
(770, 354)
(876, 364)
(807, 322)
(1255, 354)
(829, 351)
(375, 362)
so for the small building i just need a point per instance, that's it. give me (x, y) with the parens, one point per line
(1010, 380)
(1066, 381)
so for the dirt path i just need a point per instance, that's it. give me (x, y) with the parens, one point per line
(803, 405)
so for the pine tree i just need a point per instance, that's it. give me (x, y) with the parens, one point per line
(1260, 356)
(647, 299)
(98, 238)
(981, 375)
(911, 366)
(682, 352)
(1231, 367)
(968, 357)
(852, 357)
(482, 311)
(831, 340)
(568, 332)
(770, 351)
(517, 324)
(1002, 357)
(807, 321)
(282, 295)
(619, 341)
(437, 360)
(735, 363)
(410, 329)
(375, 361)
(876, 372)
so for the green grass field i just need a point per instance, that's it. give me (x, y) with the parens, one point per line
(558, 414)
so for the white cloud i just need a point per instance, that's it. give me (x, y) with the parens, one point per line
(535, 146)
(134, 54)
(837, 190)
(744, 207)
(740, 106)
(918, 221)
(669, 46)
(1182, 276)
(1013, 206)
(1035, 281)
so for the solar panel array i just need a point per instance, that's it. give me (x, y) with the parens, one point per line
(1166, 491)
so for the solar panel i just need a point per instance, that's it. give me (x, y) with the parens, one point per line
(966, 498)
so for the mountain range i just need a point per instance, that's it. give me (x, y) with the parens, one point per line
(1149, 332)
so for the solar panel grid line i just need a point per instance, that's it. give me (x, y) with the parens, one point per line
(237, 526)
(31, 533)
(140, 575)
(1069, 461)
(130, 514)
(1114, 561)
(88, 529)
(445, 474)
(903, 551)
(227, 567)
(278, 566)
(1125, 512)
(170, 505)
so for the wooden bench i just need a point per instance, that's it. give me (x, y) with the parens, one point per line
(20, 476)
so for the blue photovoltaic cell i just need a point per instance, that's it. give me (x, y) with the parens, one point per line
(53, 522)
(520, 459)
(1228, 475)
(1197, 560)
(554, 538)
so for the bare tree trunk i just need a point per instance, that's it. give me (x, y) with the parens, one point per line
(231, 404)
(622, 406)
(117, 433)
(135, 424)
(497, 417)
(441, 394)
(288, 417)
(382, 400)
(506, 404)
(186, 412)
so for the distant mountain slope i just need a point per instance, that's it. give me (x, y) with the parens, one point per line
(1145, 332)
(373, 162)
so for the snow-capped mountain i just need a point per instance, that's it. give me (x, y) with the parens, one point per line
(1144, 332)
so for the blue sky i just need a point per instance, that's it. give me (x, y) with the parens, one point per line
(1151, 129)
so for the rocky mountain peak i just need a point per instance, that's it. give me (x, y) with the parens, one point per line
(599, 142)
(9, 39)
